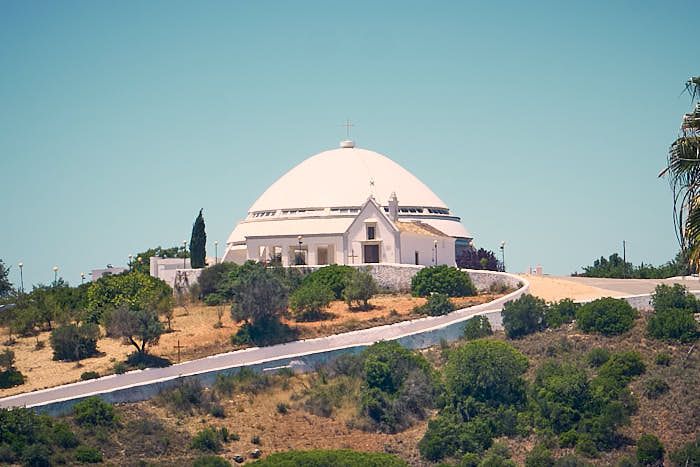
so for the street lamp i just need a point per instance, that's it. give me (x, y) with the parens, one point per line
(216, 252)
(21, 278)
(503, 255)
(139, 259)
(55, 275)
(130, 256)
(82, 278)
(184, 258)
(435, 244)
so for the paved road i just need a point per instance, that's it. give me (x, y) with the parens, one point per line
(246, 357)
(631, 286)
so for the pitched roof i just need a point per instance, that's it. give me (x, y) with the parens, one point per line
(420, 228)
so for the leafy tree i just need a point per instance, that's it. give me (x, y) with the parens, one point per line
(198, 243)
(682, 169)
(140, 327)
(72, 342)
(309, 301)
(488, 371)
(650, 451)
(360, 287)
(333, 276)
(673, 317)
(472, 258)
(524, 316)
(608, 316)
(132, 290)
(442, 279)
(615, 267)
(9, 376)
(258, 294)
(687, 455)
(214, 279)
(5, 284)
(563, 311)
(539, 456)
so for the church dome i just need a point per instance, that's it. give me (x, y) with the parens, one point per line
(345, 177)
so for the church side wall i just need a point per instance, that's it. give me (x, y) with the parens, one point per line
(425, 246)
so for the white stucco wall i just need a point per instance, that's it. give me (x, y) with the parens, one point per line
(425, 246)
(386, 234)
(310, 244)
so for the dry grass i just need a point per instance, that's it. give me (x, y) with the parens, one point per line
(552, 289)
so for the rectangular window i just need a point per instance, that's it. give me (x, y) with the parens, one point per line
(417, 262)
(370, 232)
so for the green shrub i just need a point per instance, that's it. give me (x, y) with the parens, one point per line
(563, 311)
(93, 412)
(674, 324)
(334, 277)
(597, 357)
(282, 408)
(120, 368)
(437, 305)
(309, 301)
(255, 440)
(64, 437)
(360, 287)
(654, 388)
(627, 461)
(663, 359)
(214, 279)
(207, 440)
(11, 378)
(477, 327)
(442, 279)
(650, 451)
(214, 299)
(608, 316)
(571, 460)
(495, 460)
(623, 366)
(211, 461)
(188, 396)
(71, 342)
(666, 298)
(523, 316)
(341, 457)
(539, 456)
(568, 439)
(687, 455)
(89, 375)
(470, 459)
(87, 455)
(586, 447)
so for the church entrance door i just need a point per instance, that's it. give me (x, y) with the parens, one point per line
(371, 253)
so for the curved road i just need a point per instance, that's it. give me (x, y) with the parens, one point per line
(251, 356)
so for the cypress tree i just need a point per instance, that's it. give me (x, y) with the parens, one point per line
(198, 242)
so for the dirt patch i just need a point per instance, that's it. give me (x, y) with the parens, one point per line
(552, 289)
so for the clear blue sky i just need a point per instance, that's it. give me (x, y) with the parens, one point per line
(543, 124)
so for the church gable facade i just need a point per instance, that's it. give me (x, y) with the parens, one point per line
(306, 218)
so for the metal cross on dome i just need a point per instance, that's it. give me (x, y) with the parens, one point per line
(347, 126)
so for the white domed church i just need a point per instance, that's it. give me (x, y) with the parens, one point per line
(375, 212)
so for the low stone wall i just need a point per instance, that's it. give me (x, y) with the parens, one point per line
(483, 280)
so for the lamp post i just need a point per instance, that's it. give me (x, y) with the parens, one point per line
(21, 278)
(503, 255)
(130, 256)
(435, 244)
(82, 278)
(140, 260)
(216, 252)
(55, 275)
(184, 258)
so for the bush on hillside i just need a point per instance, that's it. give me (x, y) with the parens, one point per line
(666, 298)
(214, 279)
(623, 366)
(340, 457)
(674, 324)
(72, 343)
(663, 359)
(207, 439)
(88, 455)
(442, 279)
(211, 461)
(437, 305)
(650, 451)
(87, 375)
(539, 456)
(214, 299)
(477, 327)
(655, 388)
(523, 316)
(309, 301)
(608, 316)
(360, 287)
(93, 412)
(558, 313)
(334, 277)
(687, 455)
(597, 356)
(9, 376)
